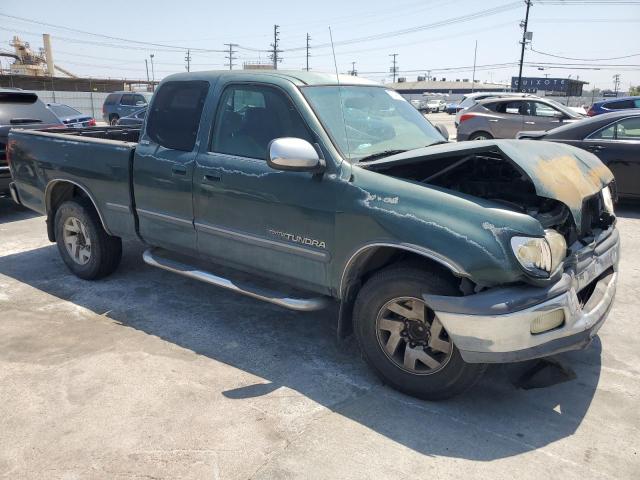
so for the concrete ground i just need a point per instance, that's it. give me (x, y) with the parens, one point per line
(146, 374)
(445, 119)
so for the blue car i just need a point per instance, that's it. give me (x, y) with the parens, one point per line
(613, 105)
(452, 108)
(123, 104)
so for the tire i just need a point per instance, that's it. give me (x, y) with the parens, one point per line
(113, 120)
(480, 136)
(94, 253)
(452, 377)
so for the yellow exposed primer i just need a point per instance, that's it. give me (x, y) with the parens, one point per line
(566, 179)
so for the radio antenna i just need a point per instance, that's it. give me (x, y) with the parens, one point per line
(344, 122)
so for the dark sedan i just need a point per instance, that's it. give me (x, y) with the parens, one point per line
(613, 137)
(135, 119)
(71, 117)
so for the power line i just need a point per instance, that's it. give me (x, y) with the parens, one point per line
(585, 59)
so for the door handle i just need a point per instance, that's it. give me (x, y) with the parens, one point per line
(493, 120)
(179, 170)
(595, 148)
(211, 178)
(530, 123)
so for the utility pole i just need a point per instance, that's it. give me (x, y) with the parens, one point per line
(525, 36)
(308, 47)
(153, 73)
(274, 47)
(616, 83)
(353, 71)
(146, 66)
(394, 66)
(188, 60)
(230, 57)
(473, 77)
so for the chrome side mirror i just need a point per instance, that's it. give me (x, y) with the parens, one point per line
(443, 130)
(294, 154)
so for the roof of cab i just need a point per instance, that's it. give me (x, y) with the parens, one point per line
(298, 77)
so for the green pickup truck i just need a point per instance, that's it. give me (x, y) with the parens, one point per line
(442, 257)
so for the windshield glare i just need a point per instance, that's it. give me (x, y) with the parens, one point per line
(365, 121)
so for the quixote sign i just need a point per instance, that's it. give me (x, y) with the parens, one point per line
(533, 84)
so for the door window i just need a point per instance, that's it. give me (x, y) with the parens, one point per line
(174, 116)
(543, 110)
(619, 105)
(127, 99)
(627, 129)
(139, 100)
(250, 117)
(514, 108)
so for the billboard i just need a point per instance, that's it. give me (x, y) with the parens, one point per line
(564, 86)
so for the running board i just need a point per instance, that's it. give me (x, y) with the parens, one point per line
(152, 257)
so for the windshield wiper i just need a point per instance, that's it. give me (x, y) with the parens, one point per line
(384, 153)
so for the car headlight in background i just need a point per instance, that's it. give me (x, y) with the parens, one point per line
(607, 199)
(540, 256)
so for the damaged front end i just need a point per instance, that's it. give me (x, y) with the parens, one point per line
(568, 191)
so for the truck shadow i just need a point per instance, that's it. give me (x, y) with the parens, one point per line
(300, 352)
(12, 212)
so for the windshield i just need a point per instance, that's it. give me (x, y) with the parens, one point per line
(365, 121)
(64, 111)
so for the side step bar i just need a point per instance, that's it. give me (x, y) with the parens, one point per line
(152, 257)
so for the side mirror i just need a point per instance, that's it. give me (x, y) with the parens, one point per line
(294, 154)
(443, 130)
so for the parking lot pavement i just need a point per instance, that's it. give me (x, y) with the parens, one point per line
(148, 374)
(446, 119)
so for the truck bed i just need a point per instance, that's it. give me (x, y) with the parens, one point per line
(97, 160)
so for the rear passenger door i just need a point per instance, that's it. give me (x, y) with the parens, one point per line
(249, 215)
(164, 163)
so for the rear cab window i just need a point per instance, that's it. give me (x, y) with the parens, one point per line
(174, 117)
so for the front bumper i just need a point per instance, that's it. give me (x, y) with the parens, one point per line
(495, 326)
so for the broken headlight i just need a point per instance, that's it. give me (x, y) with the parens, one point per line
(607, 199)
(540, 256)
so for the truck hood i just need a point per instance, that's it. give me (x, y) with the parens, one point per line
(557, 171)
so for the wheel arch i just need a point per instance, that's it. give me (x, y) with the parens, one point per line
(373, 257)
(60, 190)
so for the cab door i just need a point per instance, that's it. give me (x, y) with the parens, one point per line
(251, 216)
(164, 163)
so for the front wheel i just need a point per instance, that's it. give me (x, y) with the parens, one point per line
(113, 120)
(403, 340)
(480, 136)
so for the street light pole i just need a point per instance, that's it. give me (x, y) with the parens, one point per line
(473, 78)
(153, 74)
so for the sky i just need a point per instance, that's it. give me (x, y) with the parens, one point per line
(570, 37)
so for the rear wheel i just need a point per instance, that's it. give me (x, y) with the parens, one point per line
(480, 136)
(403, 340)
(85, 247)
(113, 120)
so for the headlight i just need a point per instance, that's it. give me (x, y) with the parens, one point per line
(607, 200)
(540, 256)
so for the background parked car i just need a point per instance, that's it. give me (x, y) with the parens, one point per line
(505, 117)
(613, 137)
(123, 104)
(436, 105)
(471, 99)
(135, 119)
(20, 109)
(452, 108)
(614, 104)
(71, 117)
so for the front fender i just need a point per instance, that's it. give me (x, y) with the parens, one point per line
(467, 232)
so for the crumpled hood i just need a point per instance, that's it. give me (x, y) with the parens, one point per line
(557, 171)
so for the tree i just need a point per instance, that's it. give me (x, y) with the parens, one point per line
(634, 91)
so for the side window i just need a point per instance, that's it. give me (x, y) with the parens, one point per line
(175, 114)
(127, 99)
(607, 133)
(250, 117)
(619, 105)
(139, 100)
(110, 100)
(628, 129)
(513, 108)
(544, 110)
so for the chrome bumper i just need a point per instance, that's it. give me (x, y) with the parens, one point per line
(495, 326)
